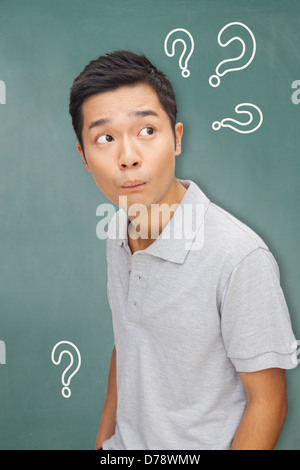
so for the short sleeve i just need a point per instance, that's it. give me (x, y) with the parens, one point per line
(255, 320)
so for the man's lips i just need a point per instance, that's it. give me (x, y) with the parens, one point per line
(136, 184)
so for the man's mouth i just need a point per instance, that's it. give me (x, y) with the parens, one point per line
(130, 185)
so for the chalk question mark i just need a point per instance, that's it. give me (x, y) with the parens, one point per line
(66, 391)
(184, 58)
(215, 80)
(227, 122)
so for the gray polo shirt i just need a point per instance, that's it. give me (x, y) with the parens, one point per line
(189, 312)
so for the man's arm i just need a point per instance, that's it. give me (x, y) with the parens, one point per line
(108, 418)
(265, 411)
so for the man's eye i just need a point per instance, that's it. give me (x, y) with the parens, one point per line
(103, 139)
(147, 131)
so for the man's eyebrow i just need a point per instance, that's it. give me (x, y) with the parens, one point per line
(142, 113)
(99, 122)
(103, 121)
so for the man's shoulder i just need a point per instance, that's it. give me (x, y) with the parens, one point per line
(225, 233)
(229, 234)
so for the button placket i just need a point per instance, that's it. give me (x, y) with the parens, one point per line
(136, 291)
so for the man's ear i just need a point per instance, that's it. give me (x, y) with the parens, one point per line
(79, 148)
(178, 133)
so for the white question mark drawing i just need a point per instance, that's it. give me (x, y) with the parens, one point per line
(66, 391)
(184, 59)
(215, 80)
(227, 122)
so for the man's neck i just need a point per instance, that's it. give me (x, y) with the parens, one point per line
(144, 229)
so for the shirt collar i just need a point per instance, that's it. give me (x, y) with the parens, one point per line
(177, 237)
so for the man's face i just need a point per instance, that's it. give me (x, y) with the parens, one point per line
(127, 136)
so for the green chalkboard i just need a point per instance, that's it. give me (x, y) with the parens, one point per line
(53, 266)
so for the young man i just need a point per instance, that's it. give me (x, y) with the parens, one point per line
(202, 333)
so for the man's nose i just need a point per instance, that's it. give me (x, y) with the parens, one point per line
(129, 155)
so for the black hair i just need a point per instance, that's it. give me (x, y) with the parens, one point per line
(113, 70)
